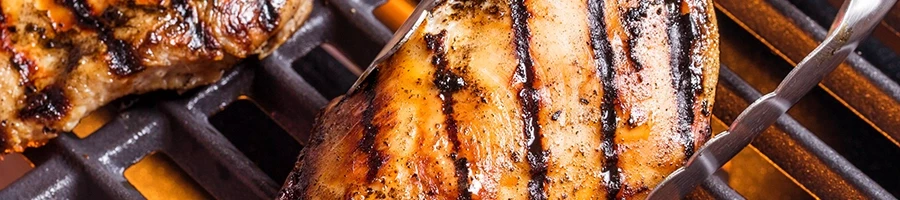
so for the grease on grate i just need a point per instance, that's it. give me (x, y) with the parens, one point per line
(157, 177)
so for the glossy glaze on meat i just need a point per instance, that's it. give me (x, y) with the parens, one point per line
(62, 59)
(516, 99)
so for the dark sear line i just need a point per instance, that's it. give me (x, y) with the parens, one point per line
(19, 61)
(47, 105)
(603, 57)
(202, 38)
(370, 130)
(3, 131)
(682, 32)
(631, 21)
(75, 54)
(268, 15)
(24, 66)
(448, 83)
(121, 58)
(528, 98)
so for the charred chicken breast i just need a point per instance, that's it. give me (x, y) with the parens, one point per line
(61, 59)
(516, 99)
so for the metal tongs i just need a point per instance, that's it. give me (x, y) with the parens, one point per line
(853, 23)
(400, 37)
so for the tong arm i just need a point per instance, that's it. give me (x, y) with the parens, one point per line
(853, 23)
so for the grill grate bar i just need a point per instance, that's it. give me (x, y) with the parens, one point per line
(213, 161)
(822, 170)
(792, 34)
(280, 91)
(873, 49)
(715, 188)
(213, 98)
(95, 163)
(60, 180)
(359, 13)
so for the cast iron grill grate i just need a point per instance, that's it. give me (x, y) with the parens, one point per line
(838, 142)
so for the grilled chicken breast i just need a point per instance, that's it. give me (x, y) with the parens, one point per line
(61, 59)
(515, 99)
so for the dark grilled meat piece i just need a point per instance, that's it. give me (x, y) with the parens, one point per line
(62, 59)
(516, 99)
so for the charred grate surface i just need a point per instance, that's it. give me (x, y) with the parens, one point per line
(292, 84)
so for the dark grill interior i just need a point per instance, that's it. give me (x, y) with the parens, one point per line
(239, 138)
(258, 137)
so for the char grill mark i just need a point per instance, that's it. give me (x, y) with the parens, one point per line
(268, 14)
(24, 66)
(48, 105)
(632, 21)
(448, 83)
(202, 39)
(603, 56)
(686, 79)
(75, 54)
(45, 106)
(370, 130)
(529, 99)
(120, 54)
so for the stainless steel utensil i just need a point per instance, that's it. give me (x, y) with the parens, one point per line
(854, 22)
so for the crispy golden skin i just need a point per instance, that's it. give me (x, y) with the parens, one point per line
(62, 59)
(515, 99)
